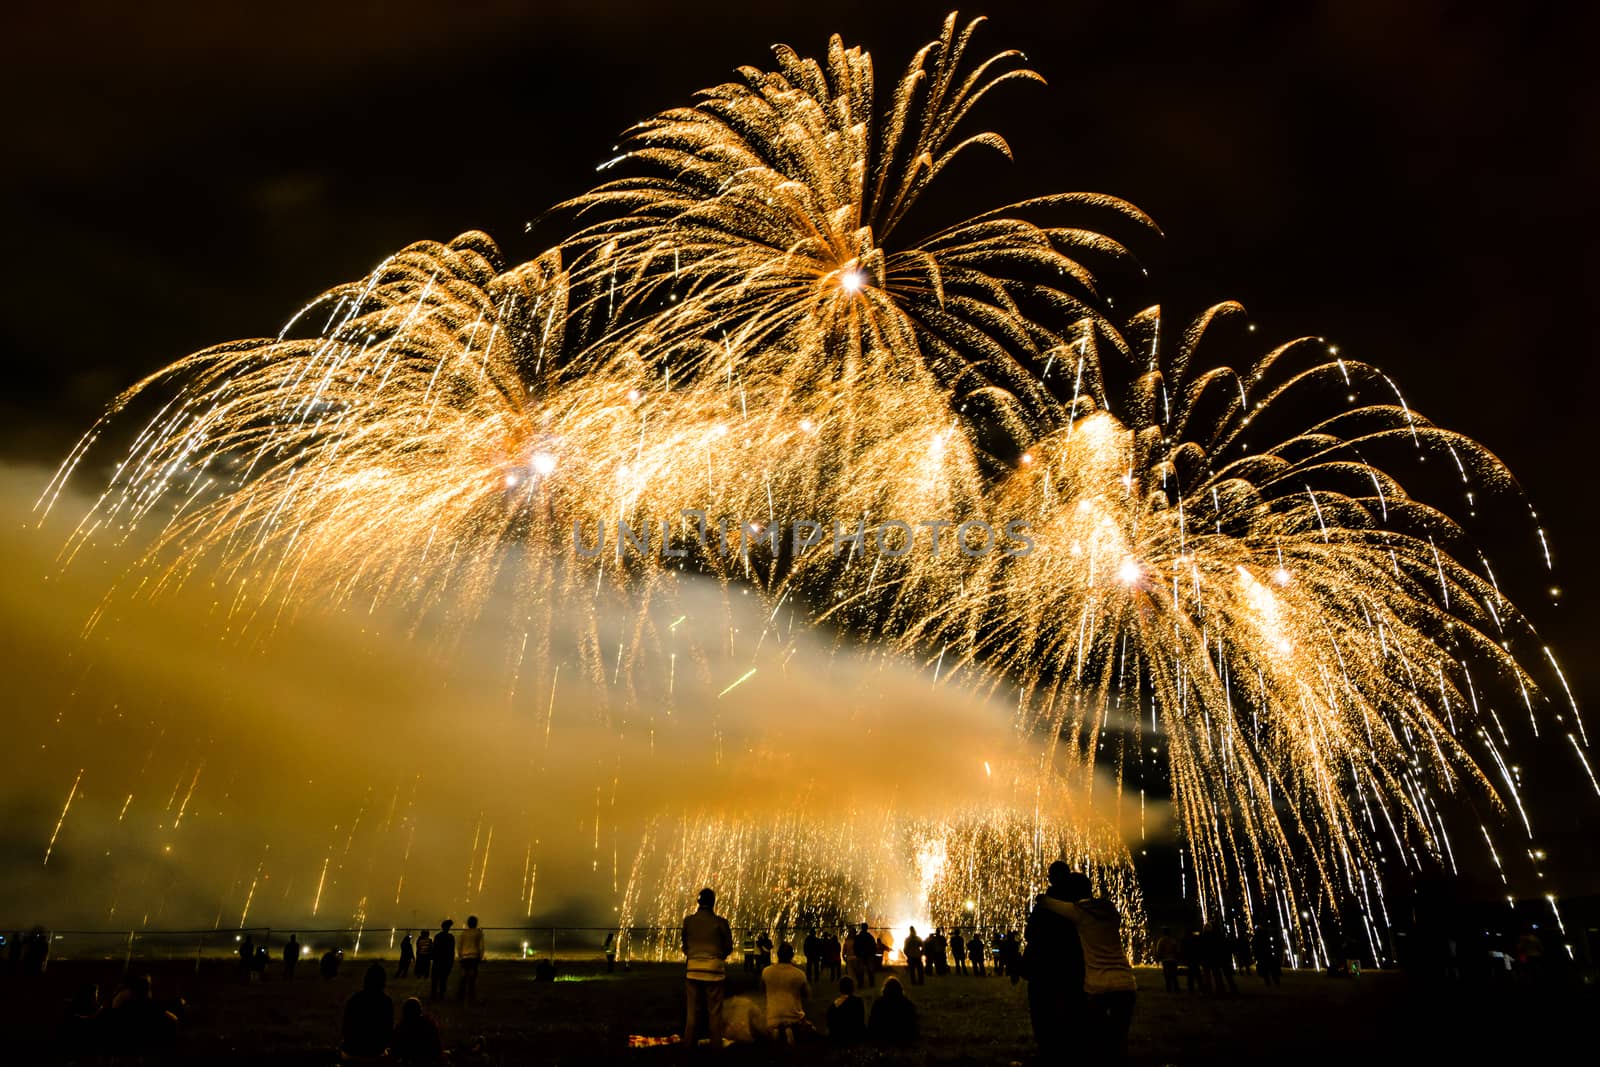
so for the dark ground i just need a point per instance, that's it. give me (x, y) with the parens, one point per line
(588, 1015)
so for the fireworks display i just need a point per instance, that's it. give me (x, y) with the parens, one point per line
(1230, 598)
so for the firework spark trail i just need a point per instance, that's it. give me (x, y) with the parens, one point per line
(51, 847)
(1224, 540)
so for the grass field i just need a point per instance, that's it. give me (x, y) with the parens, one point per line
(587, 1016)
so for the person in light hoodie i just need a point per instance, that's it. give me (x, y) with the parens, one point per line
(1108, 982)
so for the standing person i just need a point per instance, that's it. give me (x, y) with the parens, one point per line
(1168, 953)
(749, 943)
(36, 951)
(913, 949)
(1011, 955)
(787, 991)
(933, 953)
(1193, 950)
(469, 951)
(975, 951)
(291, 957)
(1269, 956)
(958, 951)
(764, 950)
(408, 956)
(1053, 962)
(812, 947)
(864, 946)
(1108, 982)
(1218, 958)
(441, 959)
(247, 957)
(611, 951)
(707, 941)
(833, 954)
(1241, 953)
(424, 953)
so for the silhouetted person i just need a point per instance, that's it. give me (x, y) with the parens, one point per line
(36, 951)
(812, 948)
(611, 951)
(1108, 981)
(958, 951)
(442, 959)
(1269, 956)
(787, 990)
(1530, 957)
(975, 953)
(935, 953)
(1168, 953)
(470, 952)
(329, 964)
(749, 945)
(764, 950)
(707, 941)
(408, 956)
(847, 1015)
(1193, 949)
(261, 961)
(894, 1017)
(1053, 963)
(863, 945)
(913, 953)
(82, 1032)
(424, 953)
(1011, 955)
(833, 954)
(1217, 959)
(138, 1025)
(544, 970)
(247, 957)
(416, 1039)
(368, 1018)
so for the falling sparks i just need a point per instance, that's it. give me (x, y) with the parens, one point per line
(51, 847)
(745, 677)
(1300, 630)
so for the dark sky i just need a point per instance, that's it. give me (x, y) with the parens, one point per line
(1415, 181)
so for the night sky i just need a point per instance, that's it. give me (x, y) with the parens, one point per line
(1416, 185)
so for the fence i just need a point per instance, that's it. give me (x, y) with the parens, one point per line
(567, 943)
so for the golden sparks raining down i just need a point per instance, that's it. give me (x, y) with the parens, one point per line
(1231, 599)
(51, 847)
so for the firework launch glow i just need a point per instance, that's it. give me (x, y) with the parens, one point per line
(1247, 594)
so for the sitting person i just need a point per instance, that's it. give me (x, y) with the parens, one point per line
(368, 1019)
(847, 1015)
(416, 1039)
(894, 1017)
(787, 990)
(137, 1024)
(330, 962)
(82, 1028)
